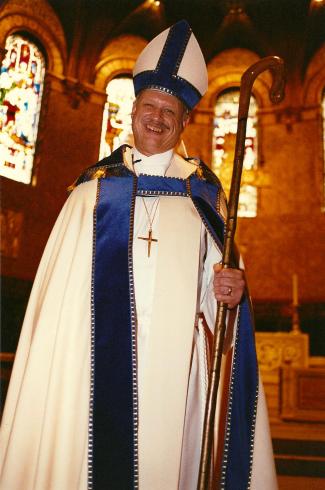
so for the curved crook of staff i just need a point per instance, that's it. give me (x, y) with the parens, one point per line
(276, 66)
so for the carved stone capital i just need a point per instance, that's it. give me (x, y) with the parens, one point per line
(288, 116)
(75, 91)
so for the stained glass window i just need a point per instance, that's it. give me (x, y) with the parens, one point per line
(21, 86)
(224, 137)
(116, 127)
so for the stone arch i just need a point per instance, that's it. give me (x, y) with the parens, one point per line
(39, 19)
(119, 56)
(314, 83)
(225, 71)
(313, 92)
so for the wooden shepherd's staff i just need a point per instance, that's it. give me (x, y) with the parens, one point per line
(276, 66)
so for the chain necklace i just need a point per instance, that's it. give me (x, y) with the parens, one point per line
(152, 213)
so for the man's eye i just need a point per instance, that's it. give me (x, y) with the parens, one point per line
(169, 111)
(147, 105)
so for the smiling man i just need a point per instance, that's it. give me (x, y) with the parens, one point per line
(158, 121)
(109, 382)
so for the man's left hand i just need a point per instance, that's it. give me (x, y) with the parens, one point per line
(228, 285)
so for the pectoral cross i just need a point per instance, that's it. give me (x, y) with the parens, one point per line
(148, 239)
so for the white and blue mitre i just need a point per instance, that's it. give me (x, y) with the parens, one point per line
(173, 62)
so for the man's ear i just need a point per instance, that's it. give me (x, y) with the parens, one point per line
(133, 107)
(186, 119)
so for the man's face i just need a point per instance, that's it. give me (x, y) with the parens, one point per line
(158, 120)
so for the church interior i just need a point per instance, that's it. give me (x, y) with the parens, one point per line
(68, 104)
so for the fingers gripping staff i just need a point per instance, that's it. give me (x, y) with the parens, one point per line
(229, 285)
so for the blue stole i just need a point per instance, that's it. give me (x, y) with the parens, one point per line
(113, 459)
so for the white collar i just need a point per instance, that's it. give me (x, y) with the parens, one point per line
(154, 164)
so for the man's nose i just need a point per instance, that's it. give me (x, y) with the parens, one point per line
(157, 113)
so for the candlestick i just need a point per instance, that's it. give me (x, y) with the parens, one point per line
(295, 290)
(295, 304)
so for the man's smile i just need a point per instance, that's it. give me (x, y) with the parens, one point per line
(155, 129)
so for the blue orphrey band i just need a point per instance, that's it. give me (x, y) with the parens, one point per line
(114, 452)
(113, 410)
(241, 413)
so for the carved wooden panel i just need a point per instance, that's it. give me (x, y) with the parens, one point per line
(303, 394)
(275, 350)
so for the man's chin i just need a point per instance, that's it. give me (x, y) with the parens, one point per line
(153, 147)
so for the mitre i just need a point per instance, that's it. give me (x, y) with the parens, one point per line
(173, 62)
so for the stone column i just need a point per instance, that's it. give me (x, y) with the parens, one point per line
(2, 54)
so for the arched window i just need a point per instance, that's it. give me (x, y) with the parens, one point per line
(21, 86)
(224, 137)
(116, 127)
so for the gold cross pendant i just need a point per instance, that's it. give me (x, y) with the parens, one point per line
(149, 239)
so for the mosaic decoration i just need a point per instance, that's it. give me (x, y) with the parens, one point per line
(224, 138)
(21, 86)
(116, 127)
